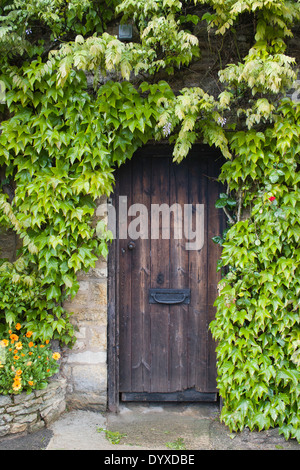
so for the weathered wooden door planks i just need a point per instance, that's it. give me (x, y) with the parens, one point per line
(165, 350)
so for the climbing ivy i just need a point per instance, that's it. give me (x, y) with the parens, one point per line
(74, 114)
(257, 322)
(60, 148)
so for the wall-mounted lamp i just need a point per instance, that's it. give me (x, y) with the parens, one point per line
(125, 32)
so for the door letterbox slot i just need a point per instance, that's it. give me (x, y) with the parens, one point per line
(169, 296)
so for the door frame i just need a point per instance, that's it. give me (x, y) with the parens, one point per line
(113, 398)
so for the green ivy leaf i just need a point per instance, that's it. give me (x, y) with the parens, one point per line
(220, 203)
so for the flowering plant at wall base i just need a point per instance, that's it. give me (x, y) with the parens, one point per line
(25, 365)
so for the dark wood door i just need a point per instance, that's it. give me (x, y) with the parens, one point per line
(165, 348)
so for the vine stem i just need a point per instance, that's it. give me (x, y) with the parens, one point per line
(240, 200)
(231, 220)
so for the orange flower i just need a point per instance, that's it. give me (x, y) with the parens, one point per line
(47, 341)
(18, 326)
(14, 338)
(31, 344)
(30, 382)
(16, 387)
(56, 356)
(30, 353)
(16, 358)
(29, 334)
(18, 372)
(17, 380)
(42, 345)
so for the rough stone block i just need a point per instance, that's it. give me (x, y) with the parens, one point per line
(26, 418)
(4, 430)
(17, 427)
(87, 311)
(5, 400)
(89, 378)
(98, 337)
(53, 412)
(92, 401)
(88, 357)
(37, 426)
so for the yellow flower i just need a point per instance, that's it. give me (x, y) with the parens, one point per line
(19, 345)
(4, 343)
(16, 357)
(18, 326)
(56, 356)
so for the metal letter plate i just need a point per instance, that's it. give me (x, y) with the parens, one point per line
(169, 296)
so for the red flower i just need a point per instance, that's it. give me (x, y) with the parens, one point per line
(272, 198)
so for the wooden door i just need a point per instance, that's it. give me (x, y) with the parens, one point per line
(167, 275)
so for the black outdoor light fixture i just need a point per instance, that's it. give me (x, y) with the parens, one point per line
(125, 32)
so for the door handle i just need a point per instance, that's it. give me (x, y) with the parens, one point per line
(131, 246)
(169, 296)
(169, 301)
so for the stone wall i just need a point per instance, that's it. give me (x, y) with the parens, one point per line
(29, 413)
(85, 365)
